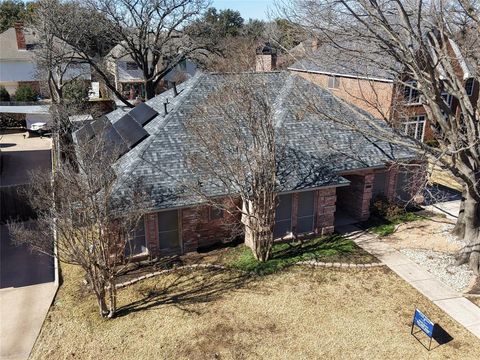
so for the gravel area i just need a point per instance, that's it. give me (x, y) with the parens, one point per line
(443, 266)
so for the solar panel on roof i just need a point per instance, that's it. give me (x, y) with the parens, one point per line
(100, 124)
(114, 143)
(130, 130)
(85, 133)
(142, 114)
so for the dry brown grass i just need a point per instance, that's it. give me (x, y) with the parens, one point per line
(301, 313)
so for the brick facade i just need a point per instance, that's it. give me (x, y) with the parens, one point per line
(356, 198)
(372, 96)
(325, 210)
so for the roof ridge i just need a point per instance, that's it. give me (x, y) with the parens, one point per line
(279, 114)
(187, 90)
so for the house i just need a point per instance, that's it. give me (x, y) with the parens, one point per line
(408, 110)
(129, 79)
(329, 174)
(18, 65)
(357, 81)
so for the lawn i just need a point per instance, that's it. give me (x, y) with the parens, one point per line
(385, 226)
(332, 248)
(298, 313)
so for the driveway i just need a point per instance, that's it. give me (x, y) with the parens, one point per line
(27, 289)
(27, 280)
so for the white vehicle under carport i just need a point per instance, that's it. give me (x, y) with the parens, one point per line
(37, 117)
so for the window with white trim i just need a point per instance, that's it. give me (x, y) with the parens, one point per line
(333, 82)
(469, 85)
(447, 98)
(411, 93)
(414, 127)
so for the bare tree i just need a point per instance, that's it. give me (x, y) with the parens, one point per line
(234, 153)
(415, 40)
(92, 223)
(153, 34)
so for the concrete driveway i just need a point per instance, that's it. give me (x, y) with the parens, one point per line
(27, 281)
(27, 289)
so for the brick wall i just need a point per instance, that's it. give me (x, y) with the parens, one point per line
(359, 92)
(199, 230)
(391, 186)
(151, 233)
(356, 198)
(265, 63)
(325, 210)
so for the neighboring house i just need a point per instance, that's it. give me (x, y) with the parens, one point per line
(331, 173)
(18, 63)
(128, 77)
(408, 110)
(360, 83)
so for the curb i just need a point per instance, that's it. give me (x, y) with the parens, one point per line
(340, 265)
(221, 267)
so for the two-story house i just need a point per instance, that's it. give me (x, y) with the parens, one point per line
(18, 64)
(408, 109)
(354, 80)
(129, 79)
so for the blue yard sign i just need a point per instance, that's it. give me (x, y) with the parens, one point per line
(424, 323)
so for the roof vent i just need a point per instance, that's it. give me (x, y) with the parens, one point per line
(175, 91)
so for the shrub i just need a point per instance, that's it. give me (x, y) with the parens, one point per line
(4, 95)
(383, 208)
(76, 91)
(25, 93)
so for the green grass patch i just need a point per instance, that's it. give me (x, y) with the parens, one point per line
(386, 226)
(333, 248)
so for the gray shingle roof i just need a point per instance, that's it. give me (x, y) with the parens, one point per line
(333, 60)
(316, 148)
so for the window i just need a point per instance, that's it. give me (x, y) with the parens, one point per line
(168, 236)
(414, 127)
(306, 212)
(215, 213)
(411, 93)
(132, 65)
(333, 82)
(283, 216)
(447, 98)
(379, 184)
(469, 85)
(137, 244)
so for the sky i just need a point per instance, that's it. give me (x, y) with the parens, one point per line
(255, 9)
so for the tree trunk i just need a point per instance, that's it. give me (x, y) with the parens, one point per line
(149, 89)
(258, 232)
(459, 228)
(112, 294)
(98, 288)
(470, 228)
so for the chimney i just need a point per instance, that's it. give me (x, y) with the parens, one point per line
(266, 58)
(21, 43)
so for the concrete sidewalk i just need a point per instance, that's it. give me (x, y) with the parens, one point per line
(450, 301)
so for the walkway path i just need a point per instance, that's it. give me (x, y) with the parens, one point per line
(450, 301)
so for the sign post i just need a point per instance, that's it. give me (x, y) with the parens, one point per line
(425, 324)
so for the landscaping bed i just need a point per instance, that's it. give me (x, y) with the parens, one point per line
(299, 313)
(237, 256)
